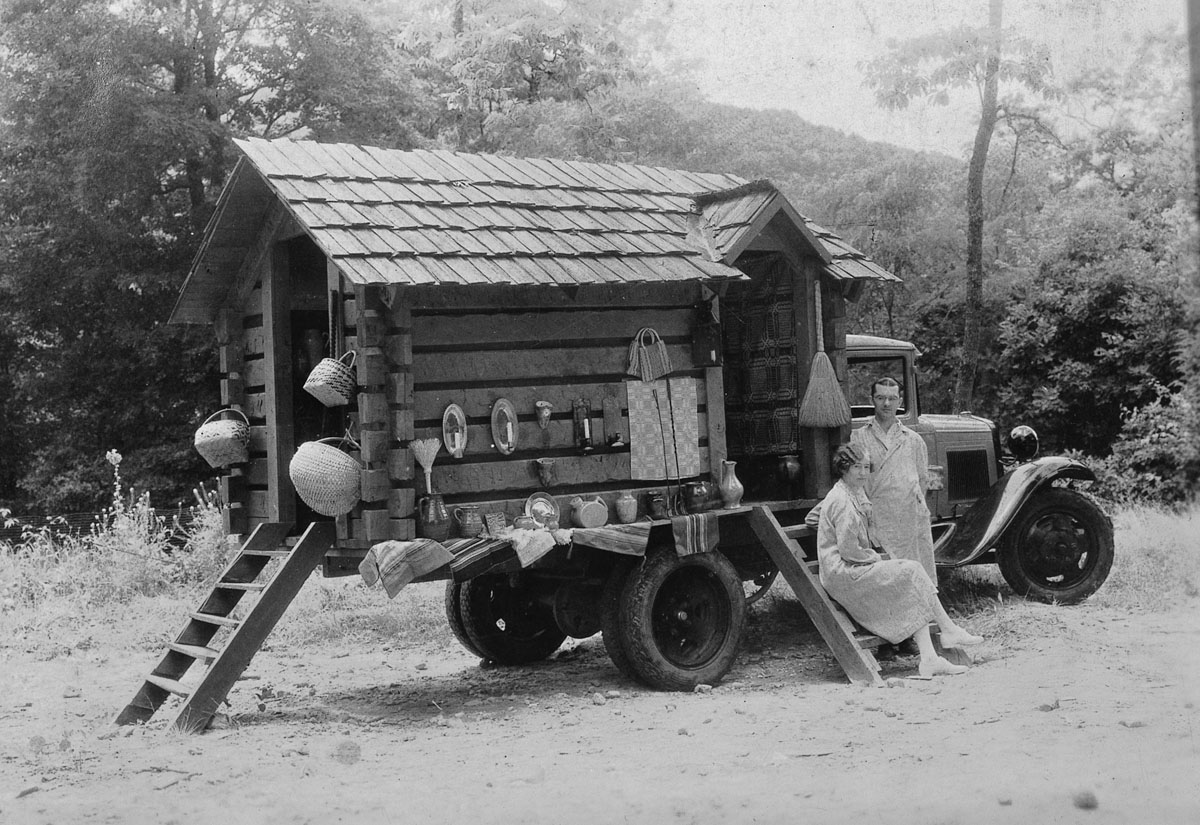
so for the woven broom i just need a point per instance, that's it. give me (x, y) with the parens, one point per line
(824, 405)
(426, 450)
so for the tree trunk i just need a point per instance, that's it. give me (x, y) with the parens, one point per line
(1194, 51)
(972, 344)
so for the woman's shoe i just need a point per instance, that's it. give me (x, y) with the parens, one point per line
(937, 666)
(959, 638)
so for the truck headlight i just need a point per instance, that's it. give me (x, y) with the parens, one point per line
(1023, 443)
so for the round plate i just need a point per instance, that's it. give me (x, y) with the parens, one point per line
(541, 507)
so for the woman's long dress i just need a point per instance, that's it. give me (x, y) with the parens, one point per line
(892, 598)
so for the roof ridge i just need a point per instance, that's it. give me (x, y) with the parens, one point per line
(753, 187)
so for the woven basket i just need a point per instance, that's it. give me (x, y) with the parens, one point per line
(224, 442)
(326, 478)
(332, 381)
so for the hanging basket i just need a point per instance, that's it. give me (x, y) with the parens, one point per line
(332, 381)
(325, 477)
(226, 441)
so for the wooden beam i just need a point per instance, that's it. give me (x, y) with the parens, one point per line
(277, 332)
(257, 259)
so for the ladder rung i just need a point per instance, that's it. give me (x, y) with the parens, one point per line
(272, 554)
(195, 651)
(212, 618)
(170, 685)
(796, 531)
(252, 587)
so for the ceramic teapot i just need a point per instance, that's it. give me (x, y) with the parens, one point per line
(592, 513)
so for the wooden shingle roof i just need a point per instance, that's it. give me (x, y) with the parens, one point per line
(386, 216)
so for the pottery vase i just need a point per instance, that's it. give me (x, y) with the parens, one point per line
(627, 507)
(730, 487)
(433, 522)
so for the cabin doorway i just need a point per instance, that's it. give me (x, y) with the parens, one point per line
(759, 329)
(312, 338)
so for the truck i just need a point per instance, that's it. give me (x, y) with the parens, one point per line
(521, 340)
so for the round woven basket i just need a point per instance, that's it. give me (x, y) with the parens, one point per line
(224, 442)
(326, 478)
(332, 381)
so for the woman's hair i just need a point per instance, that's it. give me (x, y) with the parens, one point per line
(845, 457)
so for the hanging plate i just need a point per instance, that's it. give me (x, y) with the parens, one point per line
(454, 430)
(504, 426)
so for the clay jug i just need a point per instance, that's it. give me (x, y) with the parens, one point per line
(470, 523)
(592, 513)
(627, 508)
(789, 475)
(433, 522)
(731, 487)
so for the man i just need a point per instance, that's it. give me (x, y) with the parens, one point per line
(899, 479)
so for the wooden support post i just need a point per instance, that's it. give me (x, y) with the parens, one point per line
(281, 441)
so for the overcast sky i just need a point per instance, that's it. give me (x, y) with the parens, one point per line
(803, 55)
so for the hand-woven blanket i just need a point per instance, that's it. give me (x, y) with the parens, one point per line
(396, 563)
(695, 534)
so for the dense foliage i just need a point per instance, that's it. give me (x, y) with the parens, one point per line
(115, 122)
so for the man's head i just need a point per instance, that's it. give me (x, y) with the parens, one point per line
(885, 395)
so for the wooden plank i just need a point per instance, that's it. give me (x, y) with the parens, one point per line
(256, 265)
(520, 473)
(370, 366)
(859, 665)
(400, 464)
(520, 364)
(377, 525)
(632, 296)
(374, 485)
(560, 392)
(277, 329)
(497, 327)
(402, 503)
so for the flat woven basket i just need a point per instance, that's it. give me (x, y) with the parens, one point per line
(326, 478)
(226, 441)
(332, 381)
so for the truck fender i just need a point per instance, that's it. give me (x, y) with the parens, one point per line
(982, 527)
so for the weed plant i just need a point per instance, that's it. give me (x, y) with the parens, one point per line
(129, 551)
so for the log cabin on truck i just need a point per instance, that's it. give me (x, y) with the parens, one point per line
(477, 282)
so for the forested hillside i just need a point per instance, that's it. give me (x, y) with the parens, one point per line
(115, 129)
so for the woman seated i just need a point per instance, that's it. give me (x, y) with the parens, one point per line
(892, 598)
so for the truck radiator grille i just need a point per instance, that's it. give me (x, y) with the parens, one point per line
(967, 474)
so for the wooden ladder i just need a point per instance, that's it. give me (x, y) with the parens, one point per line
(242, 576)
(851, 645)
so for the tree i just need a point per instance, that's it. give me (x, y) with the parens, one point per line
(979, 59)
(113, 145)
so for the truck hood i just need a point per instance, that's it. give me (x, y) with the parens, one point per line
(964, 423)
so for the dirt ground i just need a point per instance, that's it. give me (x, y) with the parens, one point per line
(1077, 714)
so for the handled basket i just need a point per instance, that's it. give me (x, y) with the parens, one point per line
(326, 478)
(332, 381)
(648, 358)
(224, 442)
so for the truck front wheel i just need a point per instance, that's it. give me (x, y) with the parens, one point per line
(1059, 549)
(682, 619)
(504, 621)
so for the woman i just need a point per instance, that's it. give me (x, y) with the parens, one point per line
(892, 598)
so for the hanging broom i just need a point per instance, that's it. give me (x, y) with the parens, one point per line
(426, 450)
(824, 405)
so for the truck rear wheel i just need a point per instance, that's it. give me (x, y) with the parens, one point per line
(612, 619)
(505, 622)
(454, 617)
(1059, 549)
(682, 619)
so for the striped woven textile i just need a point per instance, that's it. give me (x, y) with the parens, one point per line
(626, 539)
(396, 563)
(480, 556)
(695, 534)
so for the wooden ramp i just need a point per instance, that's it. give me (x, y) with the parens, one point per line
(851, 646)
(245, 574)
